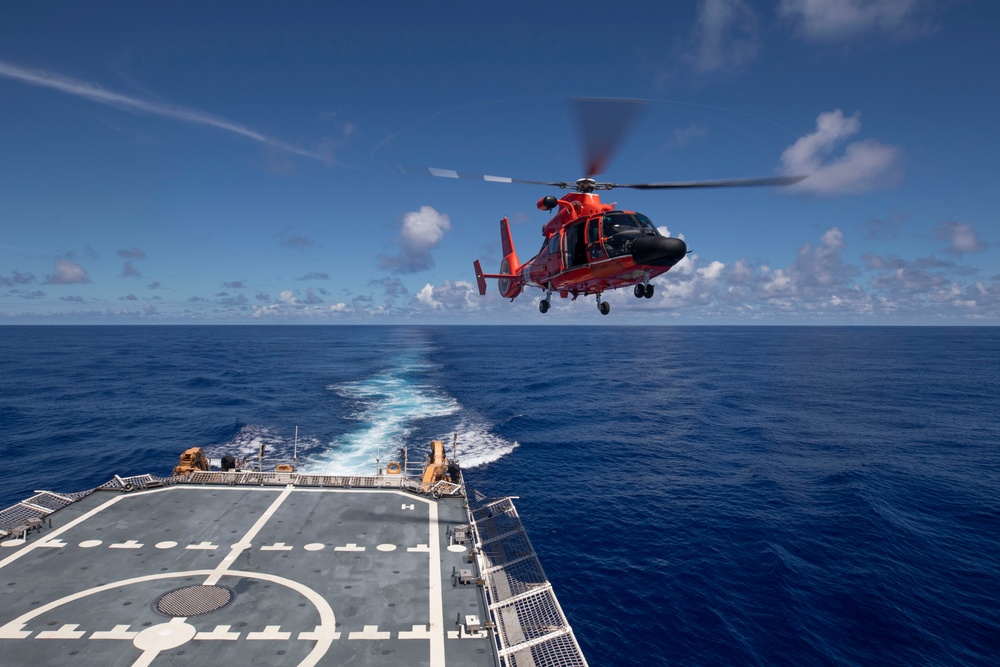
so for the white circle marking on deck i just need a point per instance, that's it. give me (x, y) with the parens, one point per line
(457, 548)
(164, 636)
(169, 544)
(88, 544)
(12, 543)
(314, 546)
(386, 547)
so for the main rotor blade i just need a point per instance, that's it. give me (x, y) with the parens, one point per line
(466, 175)
(726, 183)
(604, 124)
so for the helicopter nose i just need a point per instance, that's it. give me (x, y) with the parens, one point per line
(658, 250)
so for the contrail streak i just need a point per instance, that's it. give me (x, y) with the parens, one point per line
(95, 93)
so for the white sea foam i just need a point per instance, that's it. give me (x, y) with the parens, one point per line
(389, 406)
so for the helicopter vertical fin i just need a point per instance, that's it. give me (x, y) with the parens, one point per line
(505, 238)
(480, 279)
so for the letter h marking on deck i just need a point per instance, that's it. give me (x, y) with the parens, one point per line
(408, 507)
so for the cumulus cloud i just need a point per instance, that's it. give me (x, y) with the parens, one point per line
(725, 35)
(833, 20)
(420, 232)
(131, 253)
(458, 295)
(67, 273)
(315, 275)
(129, 271)
(393, 287)
(294, 241)
(154, 285)
(960, 237)
(235, 284)
(863, 165)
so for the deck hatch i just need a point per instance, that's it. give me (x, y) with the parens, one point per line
(193, 600)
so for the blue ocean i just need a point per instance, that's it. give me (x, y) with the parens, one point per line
(697, 495)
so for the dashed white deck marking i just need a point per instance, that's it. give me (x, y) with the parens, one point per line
(351, 546)
(314, 546)
(272, 632)
(128, 544)
(457, 548)
(386, 547)
(408, 507)
(203, 546)
(51, 544)
(117, 632)
(90, 544)
(68, 631)
(314, 635)
(418, 632)
(166, 544)
(277, 546)
(221, 633)
(420, 548)
(372, 632)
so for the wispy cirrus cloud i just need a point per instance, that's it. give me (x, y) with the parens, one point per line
(95, 93)
(725, 35)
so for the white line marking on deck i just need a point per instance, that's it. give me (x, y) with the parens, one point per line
(270, 632)
(68, 631)
(277, 546)
(203, 546)
(118, 632)
(54, 544)
(371, 632)
(350, 547)
(247, 539)
(434, 577)
(221, 632)
(129, 544)
(418, 632)
(420, 548)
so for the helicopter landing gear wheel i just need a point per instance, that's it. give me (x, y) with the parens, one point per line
(605, 308)
(648, 292)
(639, 291)
(543, 306)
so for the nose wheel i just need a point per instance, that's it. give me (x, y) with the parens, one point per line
(543, 306)
(603, 306)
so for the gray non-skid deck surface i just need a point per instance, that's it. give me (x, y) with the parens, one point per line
(320, 576)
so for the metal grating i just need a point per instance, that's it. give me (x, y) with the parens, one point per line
(193, 600)
(531, 629)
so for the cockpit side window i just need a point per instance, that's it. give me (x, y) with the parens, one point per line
(616, 223)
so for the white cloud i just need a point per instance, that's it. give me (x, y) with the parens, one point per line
(725, 35)
(961, 237)
(864, 165)
(420, 232)
(67, 273)
(457, 295)
(831, 20)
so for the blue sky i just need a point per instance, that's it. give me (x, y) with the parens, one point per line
(181, 163)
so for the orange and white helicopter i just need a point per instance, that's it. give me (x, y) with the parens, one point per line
(589, 246)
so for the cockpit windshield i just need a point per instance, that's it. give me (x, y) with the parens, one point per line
(620, 230)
